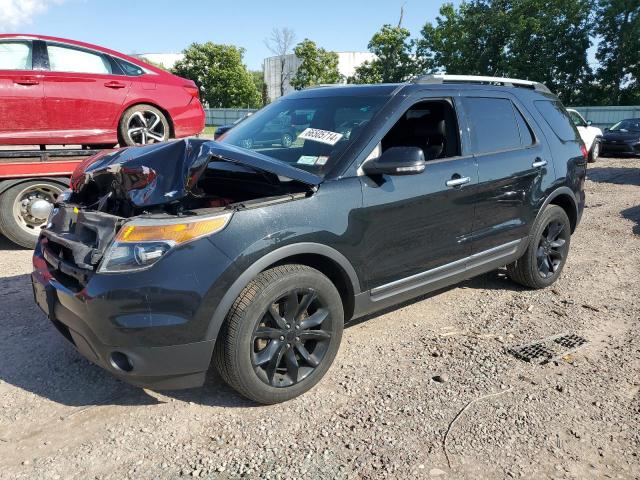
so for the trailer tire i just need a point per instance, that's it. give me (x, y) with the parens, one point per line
(24, 210)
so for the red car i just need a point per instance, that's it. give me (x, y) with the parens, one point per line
(56, 91)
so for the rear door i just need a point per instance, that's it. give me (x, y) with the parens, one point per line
(512, 167)
(21, 91)
(83, 93)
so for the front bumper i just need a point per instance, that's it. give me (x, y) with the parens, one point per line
(631, 148)
(156, 320)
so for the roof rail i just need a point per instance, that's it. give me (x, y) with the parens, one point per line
(325, 85)
(507, 82)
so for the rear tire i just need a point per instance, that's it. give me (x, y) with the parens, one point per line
(24, 209)
(272, 347)
(143, 125)
(546, 255)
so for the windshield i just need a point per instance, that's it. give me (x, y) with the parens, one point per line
(307, 133)
(627, 126)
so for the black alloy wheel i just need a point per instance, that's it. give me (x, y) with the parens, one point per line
(547, 250)
(291, 339)
(551, 249)
(281, 335)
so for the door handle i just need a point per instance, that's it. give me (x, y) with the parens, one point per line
(456, 182)
(26, 81)
(114, 85)
(539, 163)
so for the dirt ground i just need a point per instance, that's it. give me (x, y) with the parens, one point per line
(378, 413)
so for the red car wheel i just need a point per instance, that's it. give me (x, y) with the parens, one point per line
(143, 125)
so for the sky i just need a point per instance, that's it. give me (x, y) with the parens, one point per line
(163, 26)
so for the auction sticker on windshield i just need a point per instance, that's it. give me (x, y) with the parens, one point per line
(322, 136)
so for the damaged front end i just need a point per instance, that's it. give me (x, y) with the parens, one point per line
(128, 208)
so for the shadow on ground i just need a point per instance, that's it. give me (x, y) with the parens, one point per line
(614, 175)
(6, 244)
(633, 213)
(36, 358)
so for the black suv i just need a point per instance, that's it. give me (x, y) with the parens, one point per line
(164, 258)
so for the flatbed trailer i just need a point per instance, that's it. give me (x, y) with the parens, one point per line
(30, 181)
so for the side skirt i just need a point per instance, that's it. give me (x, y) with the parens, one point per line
(422, 283)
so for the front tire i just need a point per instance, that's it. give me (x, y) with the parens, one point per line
(281, 335)
(143, 125)
(546, 255)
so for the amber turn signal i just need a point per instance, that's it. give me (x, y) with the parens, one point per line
(178, 232)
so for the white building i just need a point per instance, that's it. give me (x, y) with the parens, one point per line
(347, 64)
(167, 60)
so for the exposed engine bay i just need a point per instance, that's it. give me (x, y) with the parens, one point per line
(175, 180)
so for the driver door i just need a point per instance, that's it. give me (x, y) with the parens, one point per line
(418, 227)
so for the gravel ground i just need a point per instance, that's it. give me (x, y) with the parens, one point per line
(379, 413)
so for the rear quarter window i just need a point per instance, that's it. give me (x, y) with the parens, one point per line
(558, 119)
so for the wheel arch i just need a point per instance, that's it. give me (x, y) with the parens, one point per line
(321, 257)
(564, 198)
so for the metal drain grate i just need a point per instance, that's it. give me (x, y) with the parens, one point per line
(548, 349)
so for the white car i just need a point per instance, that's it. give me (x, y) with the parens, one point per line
(590, 135)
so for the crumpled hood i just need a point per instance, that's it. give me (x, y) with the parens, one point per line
(166, 172)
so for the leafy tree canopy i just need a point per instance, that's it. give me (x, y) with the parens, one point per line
(317, 66)
(543, 40)
(222, 78)
(395, 57)
(618, 26)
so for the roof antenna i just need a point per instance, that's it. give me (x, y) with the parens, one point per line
(401, 15)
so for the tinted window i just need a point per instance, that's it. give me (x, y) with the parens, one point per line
(67, 59)
(558, 119)
(632, 125)
(578, 121)
(526, 137)
(129, 68)
(15, 56)
(493, 124)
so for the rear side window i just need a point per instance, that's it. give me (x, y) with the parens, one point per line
(493, 124)
(15, 56)
(66, 59)
(558, 119)
(526, 137)
(129, 68)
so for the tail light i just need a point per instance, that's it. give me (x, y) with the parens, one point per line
(584, 151)
(192, 90)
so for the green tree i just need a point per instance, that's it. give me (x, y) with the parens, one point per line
(618, 28)
(543, 40)
(395, 58)
(467, 41)
(222, 78)
(258, 80)
(317, 66)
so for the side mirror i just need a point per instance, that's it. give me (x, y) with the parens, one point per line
(589, 123)
(397, 161)
(606, 129)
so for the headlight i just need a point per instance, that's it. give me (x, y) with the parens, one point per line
(142, 242)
